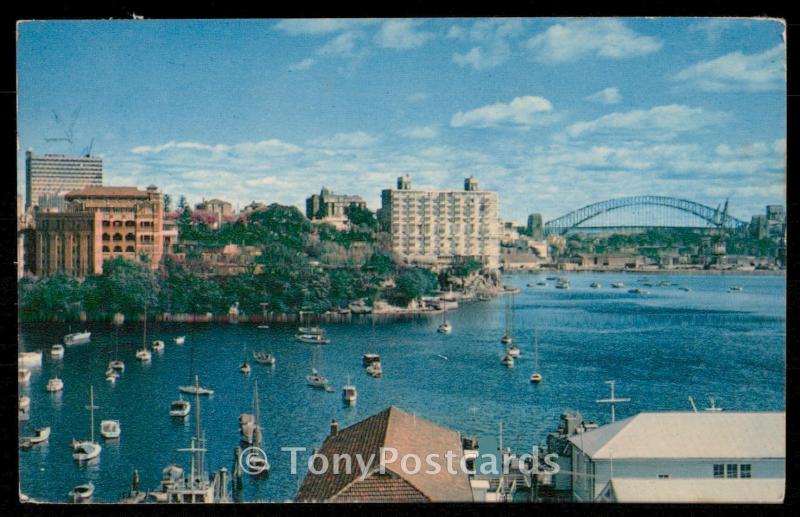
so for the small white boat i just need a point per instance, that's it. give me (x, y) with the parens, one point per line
(110, 429)
(536, 377)
(195, 390)
(541, 284)
(263, 326)
(736, 288)
(86, 450)
(313, 339)
(23, 376)
(111, 375)
(180, 340)
(264, 358)
(40, 435)
(349, 392)
(179, 408)
(445, 328)
(55, 385)
(371, 358)
(686, 289)
(316, 380)
(513, 351)
(562, 285)
(143, 355)
(117, 365)
(595, 285)
(77, 338)
(506, 340)
(638, 291)
(57, 351)
(507, 360)
(311, 330)
(158, 346)
(30, 359)
(82, 492)
(617, 285)
(375, 369)
(24, 411)
(245, 368)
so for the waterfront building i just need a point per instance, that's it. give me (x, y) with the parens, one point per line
(330, 208)
(97, 224)
(683, 449)
(440, 228)
(697, 491)
(523, 254)
(612, 261)
(407, 434)
(48, 177)
(219, 209)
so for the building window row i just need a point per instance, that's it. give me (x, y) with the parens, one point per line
(732, 470)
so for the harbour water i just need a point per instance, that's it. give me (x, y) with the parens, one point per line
(660, 348)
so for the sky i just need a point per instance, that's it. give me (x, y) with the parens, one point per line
(553, 114)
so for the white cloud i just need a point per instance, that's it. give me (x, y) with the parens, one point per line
(713, 27)
(660, 122)
(779, 146)
(401, 34)
(606, 96)
(354, 139)
(318, 26)
(522, 111)
(305, 64)
(343, 45)
(271, 147)
(606, 38)
(492, 38)
(420, 133)
(738, 72)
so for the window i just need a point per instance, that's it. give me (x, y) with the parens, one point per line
(719, 470)
(745, 471)
(732, 471)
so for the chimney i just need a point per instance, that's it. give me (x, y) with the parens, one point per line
(334, 427)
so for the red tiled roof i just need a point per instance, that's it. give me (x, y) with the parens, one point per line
(377, 488)
(408, 434)
(106, 192)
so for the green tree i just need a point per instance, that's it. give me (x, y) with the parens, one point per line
(362, 216)
(411, 284)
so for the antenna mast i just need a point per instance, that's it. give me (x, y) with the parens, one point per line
(612, 401)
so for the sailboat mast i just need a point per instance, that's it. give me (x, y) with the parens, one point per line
(197, 423)
(257, 440)
(536, 349)
(144, 328)
(91, 411)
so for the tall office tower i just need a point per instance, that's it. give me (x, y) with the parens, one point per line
(48, 177)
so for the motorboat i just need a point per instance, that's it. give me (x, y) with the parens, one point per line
(507, 360)
(316, 380)
(30, 359)
(82, 492)
(55, 385)
(349, 392)
(311, 330)
(370, 358)
(24, 411)
(541, 284)
(264, 358)
(158, 346)
(23, 376)
(359, 307)
(40, 435)
(638, 291)
(180, 340)
(617, 285)
(595, 285)
(110, 429)
(263, 326)
(85, 450)
(375, 369)
(562, 284)
(77, 338)
(513, 351)
(445, 328)
(686, 289)
(195, 390)
(313, 339)
(552, 278)
(57, 351)
(179, 408)
(117, 365)
(536, 377)
(735, 288)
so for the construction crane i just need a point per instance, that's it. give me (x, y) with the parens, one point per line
(87, 151)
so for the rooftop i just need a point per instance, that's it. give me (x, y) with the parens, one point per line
(408, 434)
(686, 434)
(705, 490)
(101, 192)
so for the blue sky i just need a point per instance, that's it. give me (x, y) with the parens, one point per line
(551, 113)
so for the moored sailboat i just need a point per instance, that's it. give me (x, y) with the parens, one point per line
(85, 450)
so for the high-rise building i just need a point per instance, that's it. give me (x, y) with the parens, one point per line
(97, 224)
(48, 177)
(536, 226)
(442, 227)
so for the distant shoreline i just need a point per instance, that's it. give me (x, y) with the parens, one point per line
(719, 272)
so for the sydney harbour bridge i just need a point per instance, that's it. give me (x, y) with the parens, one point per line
(640, 213)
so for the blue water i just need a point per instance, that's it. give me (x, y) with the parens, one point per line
(660, 348)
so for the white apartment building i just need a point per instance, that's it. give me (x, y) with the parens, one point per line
(442, 227)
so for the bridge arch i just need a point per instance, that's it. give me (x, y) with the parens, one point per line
(712, 217)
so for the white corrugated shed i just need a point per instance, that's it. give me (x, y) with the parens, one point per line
(629, 490)
(679, 435)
